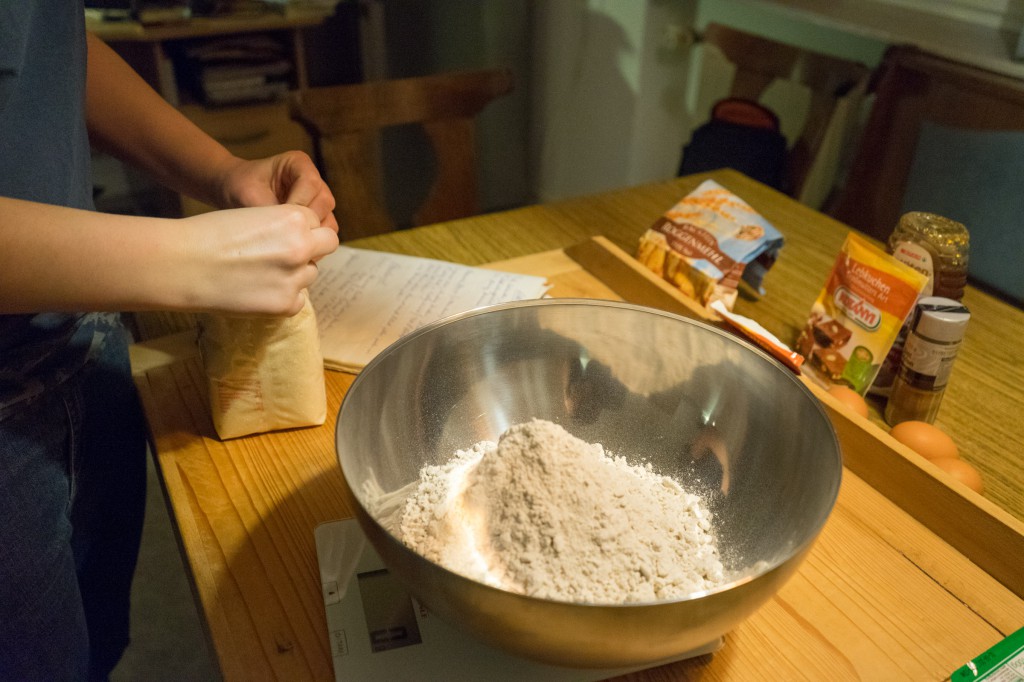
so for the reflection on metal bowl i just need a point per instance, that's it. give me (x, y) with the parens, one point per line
(723, 418)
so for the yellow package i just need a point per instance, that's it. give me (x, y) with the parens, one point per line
(857, 315)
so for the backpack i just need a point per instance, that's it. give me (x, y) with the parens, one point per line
(743, 135)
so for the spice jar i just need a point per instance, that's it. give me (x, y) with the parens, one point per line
(935, 331)
(939, 248)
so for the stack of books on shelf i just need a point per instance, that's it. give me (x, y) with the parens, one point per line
(239, 83)
(304, 8)
(155, 12)
(237, 71)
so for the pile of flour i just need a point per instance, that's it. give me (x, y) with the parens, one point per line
(546, 514)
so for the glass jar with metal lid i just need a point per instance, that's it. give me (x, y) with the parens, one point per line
(939, 247)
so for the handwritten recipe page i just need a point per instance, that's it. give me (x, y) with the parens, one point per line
(366, 300)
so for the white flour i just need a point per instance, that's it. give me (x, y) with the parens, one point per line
(548, 515)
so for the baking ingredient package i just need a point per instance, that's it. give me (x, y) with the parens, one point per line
(263, 373)
(857, 315)
(709, 241)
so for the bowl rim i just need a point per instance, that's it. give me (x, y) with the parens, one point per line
(799, 550)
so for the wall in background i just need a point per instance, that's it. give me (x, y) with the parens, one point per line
(599, 100)
(762, 18)
(607, 91)
(609, 82)
(619, 86)
(418, 38)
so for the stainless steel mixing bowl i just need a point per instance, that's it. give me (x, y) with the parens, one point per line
(649, 386)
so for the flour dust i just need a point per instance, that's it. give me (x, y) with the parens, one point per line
(546, 514)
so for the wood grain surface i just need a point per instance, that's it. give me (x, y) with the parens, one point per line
(981, 530)
(983, 407)
(880, 596)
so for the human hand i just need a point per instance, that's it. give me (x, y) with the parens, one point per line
(252, 260)
(287, 178)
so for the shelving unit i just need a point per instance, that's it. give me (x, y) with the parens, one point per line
(249, 130)
(144, 47)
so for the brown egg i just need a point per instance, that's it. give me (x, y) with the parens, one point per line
(925, 439)
(849, 397)
(961, 471)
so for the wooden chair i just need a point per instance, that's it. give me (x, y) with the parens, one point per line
(836, 88)
(948, 138)
(346, 122)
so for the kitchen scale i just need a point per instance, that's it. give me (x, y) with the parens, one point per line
(379, 633)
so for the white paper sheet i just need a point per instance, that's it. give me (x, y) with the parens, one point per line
(366, 300)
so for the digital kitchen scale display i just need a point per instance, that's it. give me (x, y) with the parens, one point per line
(379, 633)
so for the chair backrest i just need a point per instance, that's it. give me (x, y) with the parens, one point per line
(947, 138)
(346, 122)
(836, 88)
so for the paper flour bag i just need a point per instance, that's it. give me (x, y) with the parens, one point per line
(264, 373)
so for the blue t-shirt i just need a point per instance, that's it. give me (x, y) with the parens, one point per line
(44, 157)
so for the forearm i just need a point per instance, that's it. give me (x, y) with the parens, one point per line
(60, 259)
(248, 260)
(131, 121)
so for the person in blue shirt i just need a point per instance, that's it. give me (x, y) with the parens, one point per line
(72, 447)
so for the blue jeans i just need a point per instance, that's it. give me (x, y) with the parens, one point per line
(72, 499)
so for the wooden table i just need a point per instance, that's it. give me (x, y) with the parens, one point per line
(884, 594)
